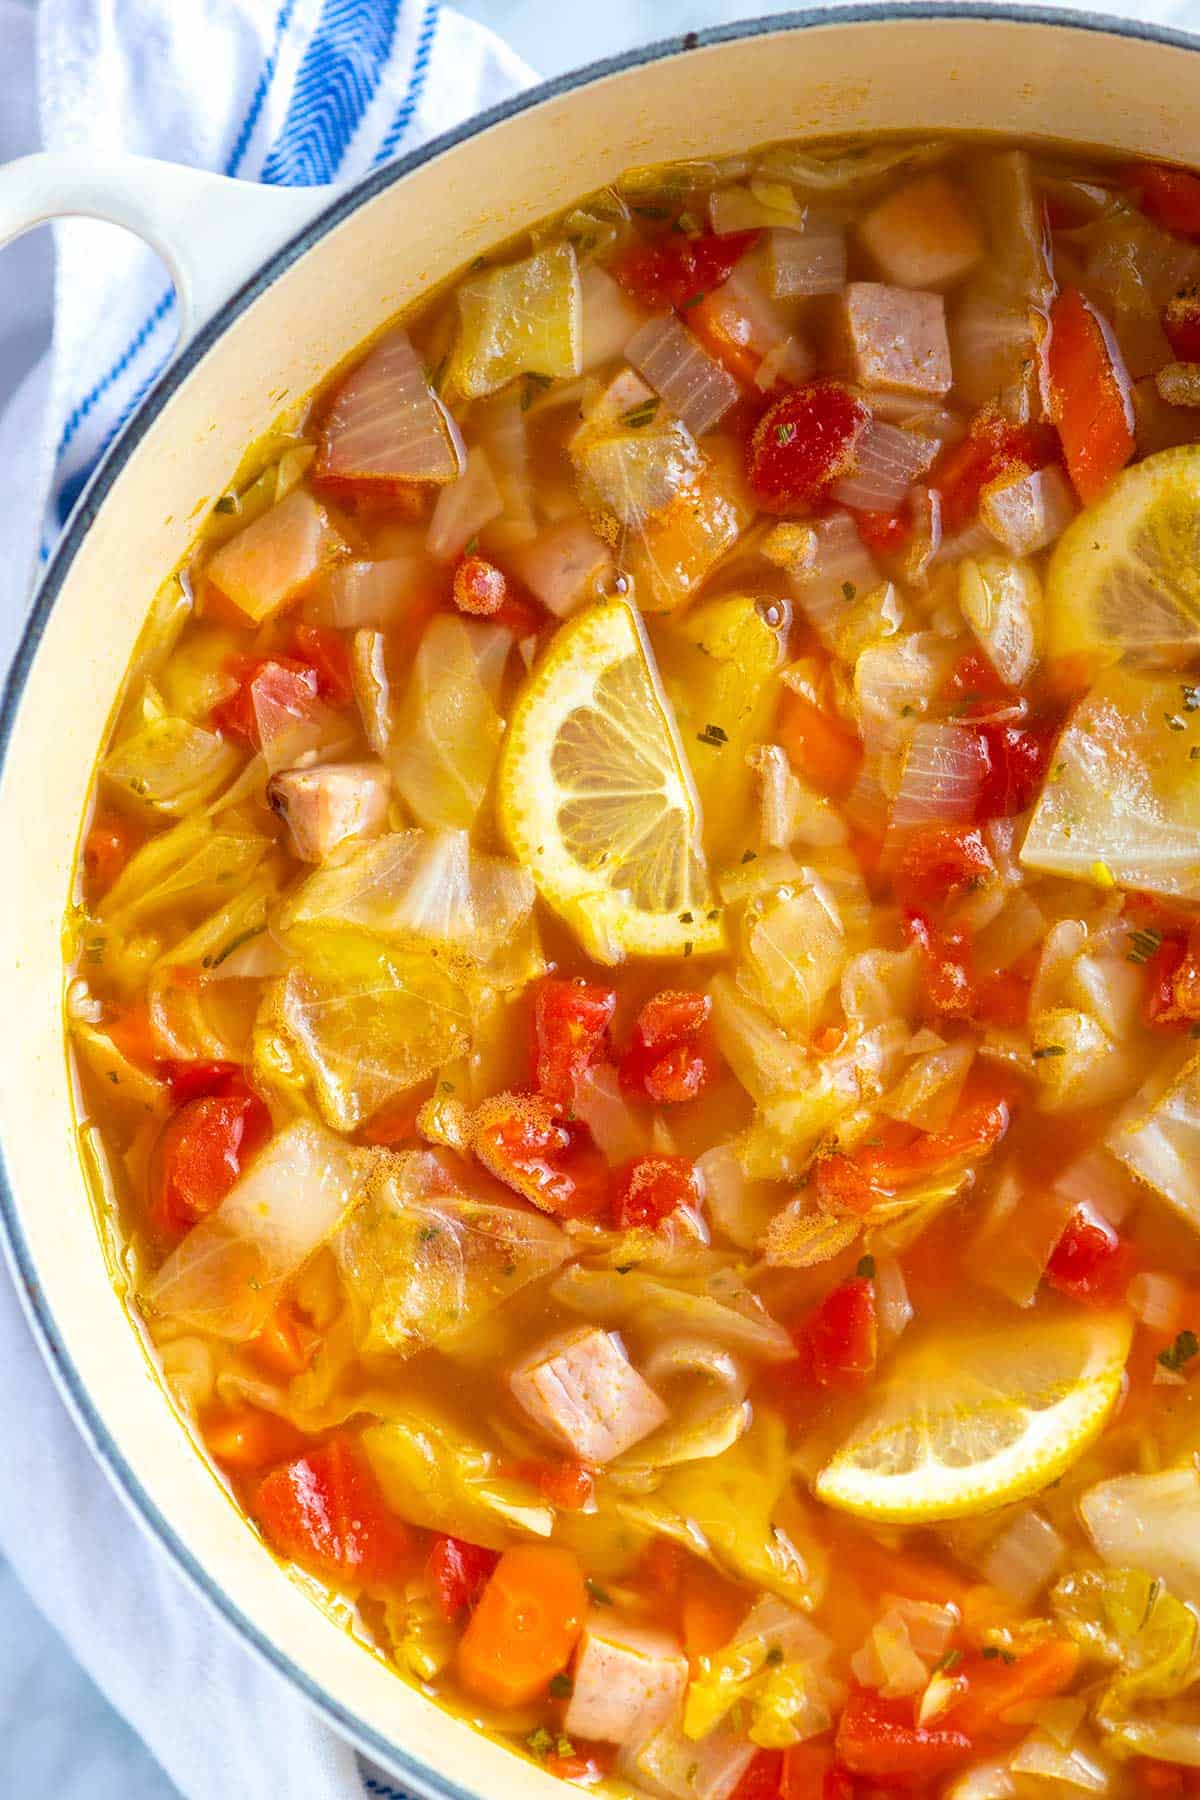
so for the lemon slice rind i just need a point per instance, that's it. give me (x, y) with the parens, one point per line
(592, 747)
(974, 1421)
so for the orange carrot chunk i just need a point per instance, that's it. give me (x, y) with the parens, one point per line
(820, 748)
(995, 1687)
(525, 1626)
(1090, 394)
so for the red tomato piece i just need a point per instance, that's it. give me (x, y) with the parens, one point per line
(672, 1015)
(991, 448)
(551, 1161)
(194, 1080)
(883, 532)
(949, 986)
(480, 588)
(667, 1060)
(1015, 767)
(880, 1739)
(839, 1342)
(650, 1188)
(326, 652)
(1172, 1000)
(973, 686)
(568, 1484)
(200, 1153)
(803, 444)
(570, 1029)
(1091, 1262)
(282, 684)
(875, 1172)
(763, 1779)
(679, 270)
(587, 1765)
(456, 1573)
(326, 1511)
(1170, 196)
(1003, 999)
(939, 862)
(110, 842)
(1091, 398)
(810, 1773)
(1181, 322)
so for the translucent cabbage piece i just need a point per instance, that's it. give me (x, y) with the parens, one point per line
(772, 1638)
(632, 458)
(196, 676)
(427, 890)
(1157, 1137)
(436, 1475)
(170, 764)
(423, 1639)
(447, 730)
(725, 1311)
(192, 864)
(227, 1274)
(424, 1259)
(522, 318)
(386, 423)
(720, 669)
(365, 1021)
(794, 951)
(1151, 1523)
(1128, 1619)
(1121, 802)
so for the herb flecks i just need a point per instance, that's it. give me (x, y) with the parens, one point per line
(1143, 944)
(713, 734)
(644, 413)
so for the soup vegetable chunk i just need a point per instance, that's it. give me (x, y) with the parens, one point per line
(635, 982)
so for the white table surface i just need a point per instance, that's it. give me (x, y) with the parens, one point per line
(58, 1737)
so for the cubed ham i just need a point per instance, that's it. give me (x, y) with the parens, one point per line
(583, 1391)
(922, 236)
(323, 807)
(629, 1680)
(894, 338)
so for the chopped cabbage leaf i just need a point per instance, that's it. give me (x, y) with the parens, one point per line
(197, 676)
(1127, 1618)
(423, 1640)
(795, 949)
(228, 1272)
(193, 864)
(1152, 1523)
(447, 730)
(772, 1638)
(436, 1475)
(429, 891)
(523, 318)
(365, 1021)
(723, 1309)
(1157, 1137)
(631, 457)
(170, 764)
(1121, 802)
(424, 1259)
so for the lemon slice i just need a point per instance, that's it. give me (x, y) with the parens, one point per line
(1125, 575)
(595, 798)
(972, 1420)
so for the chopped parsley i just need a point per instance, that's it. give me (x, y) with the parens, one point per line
(784, 433)
(993, 1653)
(533, 386)
(866, 1267)
(540, 1742)
(1143, 943)
(948, 1662)
(749, 855)
(560, 1687)
(774, 1656)
(1176, 1355)
(228, 503)
(597, 1592)
(641, 414)
(713, 734)
(848, 590)
(693, 300)
(1049, 1050)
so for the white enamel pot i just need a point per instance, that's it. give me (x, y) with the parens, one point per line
(262, 327)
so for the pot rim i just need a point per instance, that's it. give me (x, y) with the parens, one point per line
(425, 1781)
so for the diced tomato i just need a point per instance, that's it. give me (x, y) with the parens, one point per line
(994, 1688)
(1164, 1780)
(948, 984)
(810, 1773)
(522, 615)
(661, 1569)
(1091, 398)
(568, 1484)
(839, 1342)
(587, 1764)
(679, 270)
(285, 1345)
(803, 444)
(195, 1080)
(882, 532)
(480, 588)
(763, 1779)
(281, 684)
(570, 1029)
(326, 1511)
(1181, 322)
(1091, 1262)
(326, 652)
(973, 686)
(110, 842)
(650, 1188)
(1172, 1000)
(456, 1573)
(200, 1153)
(246, 1438)
(727, 332)
(525, 1625)
(132, 1031)
(668, 1059)
(819, 746)
(880, 1739)
(551, 1161)
(1169, 196)
(710, 1610)
(992, 447)
(1003, 999)
(1016, 763)
(940, 862)
(857, 1181)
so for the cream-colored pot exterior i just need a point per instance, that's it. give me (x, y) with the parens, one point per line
(1035, 76)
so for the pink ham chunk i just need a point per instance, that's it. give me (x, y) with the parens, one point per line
(583, 1391)
(324, 807)
(894, 338)
(629, 1680)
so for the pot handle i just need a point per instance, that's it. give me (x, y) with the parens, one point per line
(212, 232)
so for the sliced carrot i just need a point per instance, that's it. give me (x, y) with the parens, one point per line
(133, 1034)
(285, 1345)
(1172, 196)
(710, 1610)
(906, 1573)
(996, 1688)
(525, 1626)
(1091, 398)
(725, 333)
(110, 842)
(248, 1438)
(821, 749)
